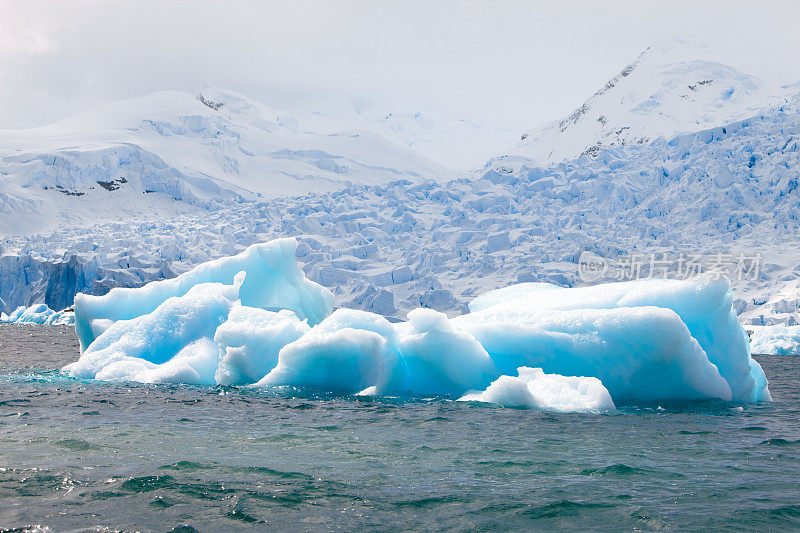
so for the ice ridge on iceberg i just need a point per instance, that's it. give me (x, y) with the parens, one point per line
(253, 319)
(273, 281)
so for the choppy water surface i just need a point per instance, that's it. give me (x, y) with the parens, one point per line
(76, 455)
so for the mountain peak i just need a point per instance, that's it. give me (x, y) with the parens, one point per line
(666, 91)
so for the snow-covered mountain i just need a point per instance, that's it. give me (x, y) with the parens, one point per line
(171, 153)
(456, 143)
(664, 93)
(729, 190)
(719, 177)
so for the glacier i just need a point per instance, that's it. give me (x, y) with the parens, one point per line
(634, 341)
(692, 171)
(391, 248)
(775, 340)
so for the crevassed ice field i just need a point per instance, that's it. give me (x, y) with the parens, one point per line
(249, 317)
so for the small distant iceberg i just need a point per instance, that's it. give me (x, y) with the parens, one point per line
(38, 314)
(534, 389)
(255, 320)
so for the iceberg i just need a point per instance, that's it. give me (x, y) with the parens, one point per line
(519, 346)
(647, 339)
(534, 389)
(274, 281)
(360, 352)
(166, 344)
(250, 340)
(38, 314)
(349, 351)
(643, 353)
(442, 359)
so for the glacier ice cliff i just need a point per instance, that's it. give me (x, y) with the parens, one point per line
(254, 319)
(775, 340)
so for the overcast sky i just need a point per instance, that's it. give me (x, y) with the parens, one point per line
(509, 63)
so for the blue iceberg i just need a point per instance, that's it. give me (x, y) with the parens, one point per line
(255, 320)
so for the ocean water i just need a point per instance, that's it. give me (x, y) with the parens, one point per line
(78, 455)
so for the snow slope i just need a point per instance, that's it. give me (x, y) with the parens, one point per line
(171, 153)
(456, 143)
(662, 94)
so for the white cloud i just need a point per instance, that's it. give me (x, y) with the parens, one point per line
(515, 63)
(23, 32)
(24, 41)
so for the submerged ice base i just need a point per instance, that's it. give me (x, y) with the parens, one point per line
(254, 319)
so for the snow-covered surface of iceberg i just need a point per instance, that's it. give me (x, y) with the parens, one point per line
(253, 319)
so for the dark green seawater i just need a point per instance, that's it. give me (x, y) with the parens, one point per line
(80, 455)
